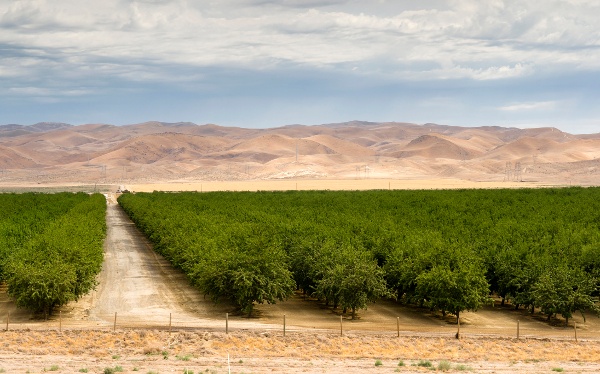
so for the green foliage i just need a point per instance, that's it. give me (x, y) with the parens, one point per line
(425, 363)
(447, 250)
(563, 290)
(247, 273)
(453, 286)
(558, 370)
(52, 248)
(352, 281)
(378, 363)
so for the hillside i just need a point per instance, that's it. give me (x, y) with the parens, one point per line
(163, 152)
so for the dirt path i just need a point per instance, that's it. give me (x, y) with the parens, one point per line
(140, 285)
(134, 280)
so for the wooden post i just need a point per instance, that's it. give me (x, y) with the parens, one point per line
(341, 327)
(284, 325)
(518, 329)
(115, 323)
(575, 327)
(226, 323)
(398, 325)
(169, 323)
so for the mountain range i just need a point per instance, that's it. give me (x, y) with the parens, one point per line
(158, 151)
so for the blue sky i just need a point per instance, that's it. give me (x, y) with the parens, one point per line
(264, 63)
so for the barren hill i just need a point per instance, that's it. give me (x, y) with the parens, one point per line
(162, 152)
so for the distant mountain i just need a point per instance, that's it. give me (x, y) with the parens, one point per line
(159, 151)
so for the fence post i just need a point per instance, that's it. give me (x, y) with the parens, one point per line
(284, 325)
(115, 323)
(226, 323)
(458, 331)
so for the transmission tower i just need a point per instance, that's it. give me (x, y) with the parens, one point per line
(517, 174)
(508, 171)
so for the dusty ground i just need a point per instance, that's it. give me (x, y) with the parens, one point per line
(329, 184)
(151, 351)
(148, 295)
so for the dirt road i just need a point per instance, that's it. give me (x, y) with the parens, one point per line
(143, 288)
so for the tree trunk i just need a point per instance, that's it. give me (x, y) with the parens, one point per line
(353, 312)
(566, 321)
(457, 316)
(502, 303)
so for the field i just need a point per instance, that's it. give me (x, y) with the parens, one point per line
(256, 345)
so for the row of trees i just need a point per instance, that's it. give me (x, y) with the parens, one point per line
(51, 247)
(446, 250)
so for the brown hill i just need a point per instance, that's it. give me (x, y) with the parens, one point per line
(158, 151)
(433, 147)
(9, 159)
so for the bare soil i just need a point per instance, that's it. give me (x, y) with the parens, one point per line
(150, 298)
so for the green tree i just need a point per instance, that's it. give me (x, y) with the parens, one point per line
(349, 277)
(454, 289)
(564, 290)
(253, 272)
(41, 286)
(362, 283)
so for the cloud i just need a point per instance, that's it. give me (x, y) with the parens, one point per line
(530, 106)
(197, 46)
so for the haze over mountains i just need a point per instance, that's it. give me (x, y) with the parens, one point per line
(159, 152)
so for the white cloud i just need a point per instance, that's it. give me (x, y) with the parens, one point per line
(481, 40)
(530, 106)
(78, 46)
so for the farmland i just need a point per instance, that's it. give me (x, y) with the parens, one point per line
(50, 247)
(443, 250)
(144, 289)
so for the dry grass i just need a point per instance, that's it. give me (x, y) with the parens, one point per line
(257, 352)
(256, 344)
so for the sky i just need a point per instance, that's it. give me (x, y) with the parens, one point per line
(266, 63)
